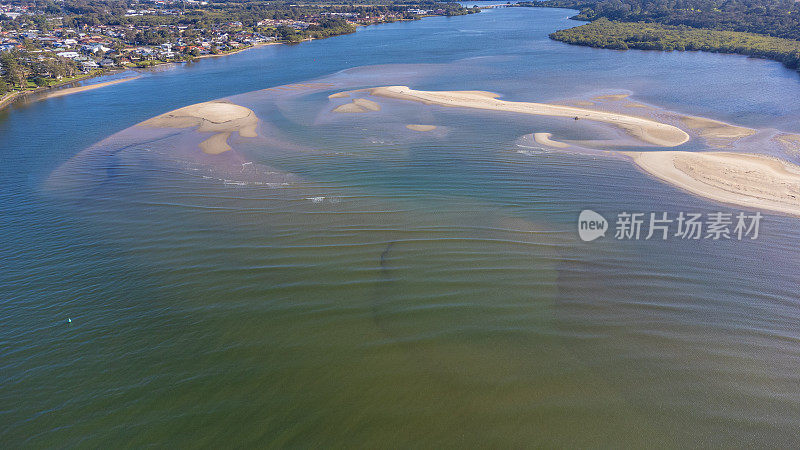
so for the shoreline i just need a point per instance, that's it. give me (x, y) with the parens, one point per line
(232, 52)
(89, 87)
(12, 97)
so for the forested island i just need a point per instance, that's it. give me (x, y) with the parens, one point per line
(765, 29)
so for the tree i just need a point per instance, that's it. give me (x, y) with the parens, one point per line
(15, 73)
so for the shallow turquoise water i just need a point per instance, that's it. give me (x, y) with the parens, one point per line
(437, 295)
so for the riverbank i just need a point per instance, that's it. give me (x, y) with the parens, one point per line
(604, 33)
(68, 91)
(12, 97)
(238, 50)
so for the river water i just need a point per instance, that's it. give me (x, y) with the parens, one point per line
(343, 280)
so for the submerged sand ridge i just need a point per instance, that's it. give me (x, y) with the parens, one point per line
(647, 130)
(218, 116)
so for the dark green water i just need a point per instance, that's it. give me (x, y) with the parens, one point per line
(344, 281)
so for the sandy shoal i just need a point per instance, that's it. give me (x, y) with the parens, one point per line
(748, 180)
(75, 90)
(790, 142)
(218, 116)
(545, 139)
(358, 105)
(216, 144)
(612, 97)
(647, 130)
(715, 132)
(419, 127)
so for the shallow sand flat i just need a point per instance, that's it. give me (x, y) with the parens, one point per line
(217, 116)
(75, 90)
(418, 127)
(790, 142)
(715, 132)
(545, 139)
(358, 105)
(216, 144)
(743, 179)
(646, 130)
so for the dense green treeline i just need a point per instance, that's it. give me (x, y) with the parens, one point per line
(22, 71)
(603, 33)
(779, 18)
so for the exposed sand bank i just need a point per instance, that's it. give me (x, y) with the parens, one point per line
(612, 97)
(544, 139)
(358, 105)
(417, 127)
(339, 95)
(75, 90)
(748, 180)
(217, 116)
(647, 130)
(718, 134)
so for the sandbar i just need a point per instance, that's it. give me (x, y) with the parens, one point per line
(216, 144)
(743, 179)
(715, 132)
(358, 105)
(647, 130)
(544, 139)
(791, 142)
(612, 97)
(75, 90)
(218, 116)
(418, 127)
